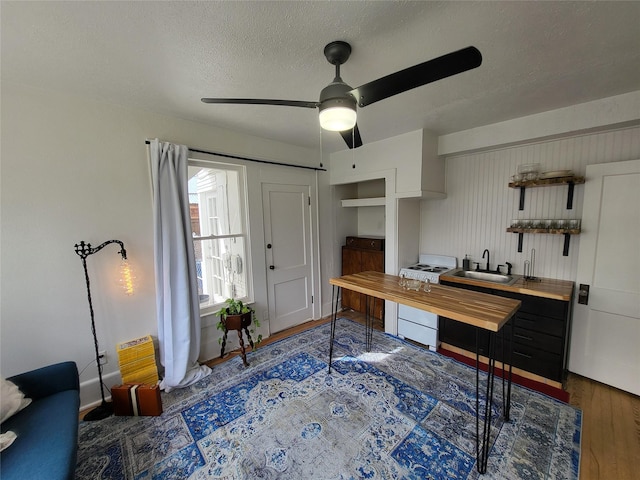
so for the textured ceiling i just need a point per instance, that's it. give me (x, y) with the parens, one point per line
(165, 56)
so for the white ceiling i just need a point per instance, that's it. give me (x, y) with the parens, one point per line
(165, 56)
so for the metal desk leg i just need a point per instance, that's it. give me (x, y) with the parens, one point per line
(369, 321)
(335, 295)
(482, 444)
(506, 399)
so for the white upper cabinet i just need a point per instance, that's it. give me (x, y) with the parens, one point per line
(414, 157)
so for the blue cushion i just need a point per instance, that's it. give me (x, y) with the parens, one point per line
(48, 380)
(47, 440)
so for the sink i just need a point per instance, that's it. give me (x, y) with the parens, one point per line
(486, 276)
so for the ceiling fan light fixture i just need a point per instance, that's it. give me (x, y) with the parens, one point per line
(337, 115)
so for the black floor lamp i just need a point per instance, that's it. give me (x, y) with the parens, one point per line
(83, 249)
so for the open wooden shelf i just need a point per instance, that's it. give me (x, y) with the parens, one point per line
(571, 181)
(545, 182)
(552, 231)
(567, 232)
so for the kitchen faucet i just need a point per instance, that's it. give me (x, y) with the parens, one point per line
(486, 251)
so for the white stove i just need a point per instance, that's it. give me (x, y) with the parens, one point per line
(429, 267)
(416, 324)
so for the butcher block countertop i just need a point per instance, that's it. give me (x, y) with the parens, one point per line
(479, 309)
(546, 287)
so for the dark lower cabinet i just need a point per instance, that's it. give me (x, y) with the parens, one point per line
(540, 333)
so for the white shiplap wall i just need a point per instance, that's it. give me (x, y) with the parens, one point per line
(480, 205)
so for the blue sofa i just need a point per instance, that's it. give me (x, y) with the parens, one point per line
(47, 430)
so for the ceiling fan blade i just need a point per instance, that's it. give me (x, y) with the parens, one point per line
(352, 137)
(257, 101)
(418, 75)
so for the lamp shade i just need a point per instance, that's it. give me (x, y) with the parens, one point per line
(338, 115)
(127, 278)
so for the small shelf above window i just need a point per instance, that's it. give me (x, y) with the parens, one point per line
(548, 182)
(364, 202)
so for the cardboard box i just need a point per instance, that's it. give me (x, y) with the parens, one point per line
(135, 399)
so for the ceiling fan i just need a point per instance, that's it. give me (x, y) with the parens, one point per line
(338, 101)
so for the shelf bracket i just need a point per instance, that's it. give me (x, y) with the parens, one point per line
(565, 249)
(520, 242)
(521, 207)
(570, 196)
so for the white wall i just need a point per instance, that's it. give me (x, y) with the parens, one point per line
(479, 204)
(371, 220)
(75, 169)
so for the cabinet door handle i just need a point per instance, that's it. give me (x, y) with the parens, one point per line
(522, 354)
(524, 337)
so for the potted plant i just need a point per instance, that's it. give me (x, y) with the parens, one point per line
(235, 315)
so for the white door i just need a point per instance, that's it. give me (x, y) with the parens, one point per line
(605, 338)
(287, 225)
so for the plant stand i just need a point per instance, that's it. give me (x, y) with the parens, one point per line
(239, 323)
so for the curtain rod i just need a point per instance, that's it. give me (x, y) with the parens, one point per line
(237, 157)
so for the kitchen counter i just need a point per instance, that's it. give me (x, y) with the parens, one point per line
(489, 312)
(546, 287)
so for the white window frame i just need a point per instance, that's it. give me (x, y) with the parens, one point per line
(244, 234)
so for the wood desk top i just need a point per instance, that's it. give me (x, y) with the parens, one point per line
(479, 309)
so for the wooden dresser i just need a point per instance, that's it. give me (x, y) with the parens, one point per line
(362, 254)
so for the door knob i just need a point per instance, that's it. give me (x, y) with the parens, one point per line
(271, 267)
(268, 245)
(583, 294)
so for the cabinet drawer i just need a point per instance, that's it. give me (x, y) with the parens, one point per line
(419, 333)
(366, 243)
(418, 316)
(538, 305)
(545, 364)
(537, 340)
(537, 323)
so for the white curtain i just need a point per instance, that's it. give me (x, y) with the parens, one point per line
(175, 267)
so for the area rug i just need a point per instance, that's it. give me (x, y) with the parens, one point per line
(397, 412)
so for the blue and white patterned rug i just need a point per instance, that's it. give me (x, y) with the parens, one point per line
(394, 413)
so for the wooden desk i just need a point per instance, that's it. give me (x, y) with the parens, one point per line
(481, 310)
(478, 309)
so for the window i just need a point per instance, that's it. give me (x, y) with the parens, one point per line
(217, 202)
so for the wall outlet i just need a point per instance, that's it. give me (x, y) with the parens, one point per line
(102, 356)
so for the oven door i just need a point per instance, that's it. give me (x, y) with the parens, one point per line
(418, 325)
